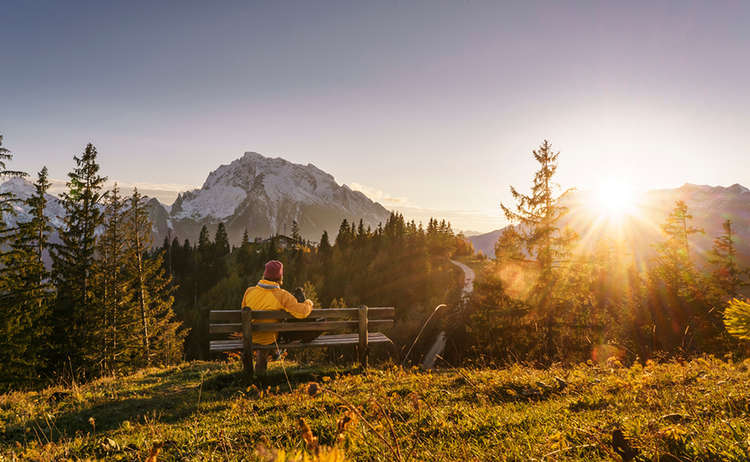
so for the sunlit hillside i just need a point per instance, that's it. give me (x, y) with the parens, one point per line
(696, 410)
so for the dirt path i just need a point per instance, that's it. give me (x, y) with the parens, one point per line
(469, 277)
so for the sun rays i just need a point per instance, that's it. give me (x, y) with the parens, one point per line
(614, 199)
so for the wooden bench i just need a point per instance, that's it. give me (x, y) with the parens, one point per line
(338, 323)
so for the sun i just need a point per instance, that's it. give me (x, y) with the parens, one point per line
(614, 198)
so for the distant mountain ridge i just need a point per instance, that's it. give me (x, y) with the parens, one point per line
(255, 193)
(265, 195)
(710, 206)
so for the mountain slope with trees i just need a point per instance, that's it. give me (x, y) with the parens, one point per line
(709, 205)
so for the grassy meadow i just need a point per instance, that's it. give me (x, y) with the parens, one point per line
(696, 410)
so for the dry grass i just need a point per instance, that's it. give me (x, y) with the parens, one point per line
(207, 411)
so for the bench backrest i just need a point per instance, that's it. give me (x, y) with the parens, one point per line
(334, 319)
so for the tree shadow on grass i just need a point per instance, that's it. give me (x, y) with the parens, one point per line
(170, 396)
(167, 396)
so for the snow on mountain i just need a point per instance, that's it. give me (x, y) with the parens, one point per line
(275, 179)
(23, 189)
(265, 195)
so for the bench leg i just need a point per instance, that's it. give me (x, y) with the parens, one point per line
(363, 346)
(247, 362)
(261, 361)
(247, 341)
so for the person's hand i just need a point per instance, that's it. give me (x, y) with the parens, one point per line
(299, 294)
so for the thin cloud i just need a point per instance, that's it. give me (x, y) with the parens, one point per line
(475, 221)
(379, 195)
(165, 193)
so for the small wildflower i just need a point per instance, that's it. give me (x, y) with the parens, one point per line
(414, 398)
(346, 420)
(310, 440)
(155, 449)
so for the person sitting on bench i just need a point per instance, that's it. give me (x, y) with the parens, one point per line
(268, 295)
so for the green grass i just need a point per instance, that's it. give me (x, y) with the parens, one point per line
(696, 410)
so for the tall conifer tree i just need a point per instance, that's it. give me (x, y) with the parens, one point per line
(75, 310)
(114, 293)
(160, 341)
(676, 287)
(537, 216)
(25, 295)
(727, 274)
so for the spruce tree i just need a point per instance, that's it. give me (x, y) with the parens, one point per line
(246, 261)
(114, 293)
(324, 248)
(676, 292)
(727, 274)
(25, 295)
(296, 236)
(7, 199)
(221, 242)
(537, 217)
(75, 312)
(678, 230)
(160, 341)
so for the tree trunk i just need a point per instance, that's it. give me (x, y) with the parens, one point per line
(141, 287)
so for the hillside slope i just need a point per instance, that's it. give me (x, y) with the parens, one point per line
(207, 411)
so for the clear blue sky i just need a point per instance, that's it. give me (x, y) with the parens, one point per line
(434, 106)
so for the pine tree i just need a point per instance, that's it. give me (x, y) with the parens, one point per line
(114, 293)
(26, 296)
(160, 341)
(296, 236)
(345, 236)
(75, 311)
(217, 263)
(245, 258)
(678, 230)
(537, 216)
(7, 199)
(727, 275)
(324, 248)
(221, 242)
(676, 290)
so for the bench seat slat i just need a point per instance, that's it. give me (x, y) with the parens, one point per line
(318, 326)
(235, 316)
(322, 341)
(331, 326)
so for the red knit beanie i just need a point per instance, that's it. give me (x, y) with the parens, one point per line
(274, 271)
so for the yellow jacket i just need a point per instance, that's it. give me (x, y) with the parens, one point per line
(268, 296)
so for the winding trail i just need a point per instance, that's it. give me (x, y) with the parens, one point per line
(428, 362)
(469, 277)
